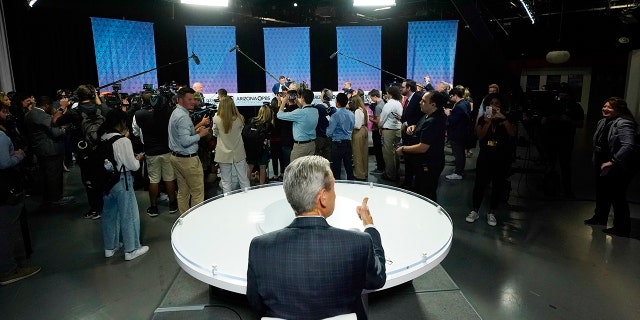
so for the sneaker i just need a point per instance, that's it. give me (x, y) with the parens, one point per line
(91, 215)
(152, 211)
(136, 253)
(473, 216)
(173, 207)
(491, 219)
(110, 253)
(63, 201)
(19, 274)
(454, 176)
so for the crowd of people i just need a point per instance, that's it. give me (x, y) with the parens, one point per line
(410, 125)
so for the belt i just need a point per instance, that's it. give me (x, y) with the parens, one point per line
(341, 141)
(184, 155)
(303, 142)
(389, 129)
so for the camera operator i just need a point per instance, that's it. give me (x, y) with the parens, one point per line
(205, 148)
(325, 111)
(183, 142)
(305, 120)
(286, 127)
(65, 95)
(89, 105)
(150, 123)
(558, 128)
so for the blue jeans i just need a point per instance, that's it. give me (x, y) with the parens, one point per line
(120, 216)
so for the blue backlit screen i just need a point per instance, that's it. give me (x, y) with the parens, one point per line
(364, 44)
(431, 49)
(217, 67)
(294, 62)
(124, 48)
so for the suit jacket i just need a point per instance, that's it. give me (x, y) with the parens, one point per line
(310, 270)
(44, 138)
(412, 112)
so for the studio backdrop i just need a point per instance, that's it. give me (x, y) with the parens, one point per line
(124, 48)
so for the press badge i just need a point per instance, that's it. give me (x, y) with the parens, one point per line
(492, 143)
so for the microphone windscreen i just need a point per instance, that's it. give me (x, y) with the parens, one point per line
(196, 59)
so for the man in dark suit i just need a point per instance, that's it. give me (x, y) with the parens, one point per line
(46, 143)
(410, 115)
(310, 270)
(281, 86)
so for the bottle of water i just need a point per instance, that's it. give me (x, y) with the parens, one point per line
(108, 165)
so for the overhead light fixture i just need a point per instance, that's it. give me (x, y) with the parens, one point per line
(380, 9)
(211, 3)
(374, 3)
(32, 2)
(557, 57)
(295, 4)
(528, 10)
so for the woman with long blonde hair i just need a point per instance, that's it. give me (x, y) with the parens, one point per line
(360, 139)
(230, 154)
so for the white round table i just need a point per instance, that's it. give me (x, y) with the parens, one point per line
(211, 241)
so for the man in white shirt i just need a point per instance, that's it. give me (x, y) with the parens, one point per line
(390, 126)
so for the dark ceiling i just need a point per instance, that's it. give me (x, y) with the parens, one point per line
(575, 24)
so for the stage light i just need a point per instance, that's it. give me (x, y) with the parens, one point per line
(211, 3)
(374, 3)
(295, 4)
(32, 2)
(529, 11)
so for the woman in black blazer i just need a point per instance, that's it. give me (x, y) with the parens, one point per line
(615, 161)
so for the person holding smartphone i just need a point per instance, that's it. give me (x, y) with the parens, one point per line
(494, 131)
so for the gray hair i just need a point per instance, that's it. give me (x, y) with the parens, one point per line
(303, 179)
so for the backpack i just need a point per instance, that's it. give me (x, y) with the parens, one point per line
(253, 134)
(89, 125)
(106, 175)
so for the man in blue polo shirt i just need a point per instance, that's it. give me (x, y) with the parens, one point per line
(305, 120)
(339, 131)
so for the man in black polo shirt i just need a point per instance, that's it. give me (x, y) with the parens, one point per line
(150, 124)
(427, 154)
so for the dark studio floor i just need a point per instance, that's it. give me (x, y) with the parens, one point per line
(539, 262)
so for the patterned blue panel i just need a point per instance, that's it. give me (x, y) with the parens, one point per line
(217, 67)
(362, 43)
(124, 48)
(293, 62)
(431, 49)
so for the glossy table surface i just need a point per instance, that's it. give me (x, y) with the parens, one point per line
(211, 241)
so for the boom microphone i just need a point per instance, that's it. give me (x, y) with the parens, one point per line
(333, 55)
(195, 58)
(234, 48)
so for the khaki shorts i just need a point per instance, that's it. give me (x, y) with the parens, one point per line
(160, 168)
